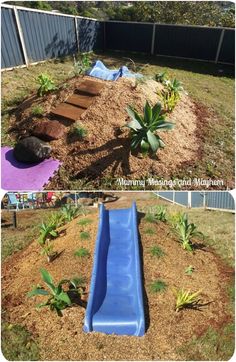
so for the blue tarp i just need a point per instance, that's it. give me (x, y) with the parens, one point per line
(99, 70)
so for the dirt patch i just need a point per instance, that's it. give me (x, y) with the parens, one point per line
(105, 152)
(166, 329)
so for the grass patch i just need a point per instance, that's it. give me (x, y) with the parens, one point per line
(37, 111)
(84, 235)
(78, 131)
(18, 344)
(27, 229)
(157, 251)
(150, 218)
(149, 231)
(82, 252)
(84, 222)
(158, 286)
(211, 346)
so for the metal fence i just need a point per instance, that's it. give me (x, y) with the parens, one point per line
(30, 35)
(221, 200)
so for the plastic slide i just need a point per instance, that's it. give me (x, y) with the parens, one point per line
(99, 70)
(115, 302)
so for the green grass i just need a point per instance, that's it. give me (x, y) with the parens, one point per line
(158, 286)
(157, 251)
(37, 111)
(27, 229)
(150, 218)
(149, 231)
(82, 252)
(78, 131)
(214, 345)
(18, 344)
(84, 235)
(85, 222)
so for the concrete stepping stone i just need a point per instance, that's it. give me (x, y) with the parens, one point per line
(80, 100)
(68, 111)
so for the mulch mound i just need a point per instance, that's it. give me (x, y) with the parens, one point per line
(105, 152)
(63, 338)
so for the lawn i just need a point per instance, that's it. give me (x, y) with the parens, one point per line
(205, 151)
(188, 334)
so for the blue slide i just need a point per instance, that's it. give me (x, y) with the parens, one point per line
(115, 303)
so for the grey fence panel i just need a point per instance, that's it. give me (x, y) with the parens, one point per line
(197, 199)
(181, 197)
(187, 41)
(136, 37)
(47, 36)
(227, 52)
(220, 200)
(11, 55)
(166, 194)
(91, 35)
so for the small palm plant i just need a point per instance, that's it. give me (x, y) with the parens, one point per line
(186, 231)
(58, 297)
(174, 86)
(186, 299)
(143, 128)
(161, 77)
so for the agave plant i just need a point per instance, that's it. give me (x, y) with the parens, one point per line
(143, 128)
(69, 212)
(161, 77)
(58, 298)
(47, 231)
(186, 232)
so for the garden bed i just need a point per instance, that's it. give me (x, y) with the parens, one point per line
(167, 331)
(105, 152)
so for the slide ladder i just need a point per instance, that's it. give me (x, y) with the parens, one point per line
(115, 303)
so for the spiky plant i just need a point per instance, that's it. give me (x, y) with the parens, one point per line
(186, 299)
(186, 231)
(143, 128)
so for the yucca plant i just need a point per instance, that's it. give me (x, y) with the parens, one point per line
(186, 299)
(168, 99)
(56, 218)
(46, 84)
(69, 212)
(143, 128)
(174, 86)
(186, 231)
(160, 213)
(47, 231)
(161, 77)
(58, 298)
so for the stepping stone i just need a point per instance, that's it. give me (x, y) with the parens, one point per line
(80, 100)
(49, 130)
(68, 111)
(90, 87)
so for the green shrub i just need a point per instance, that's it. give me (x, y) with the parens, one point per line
(85, 222)
(149, 231)
(69, 212)
(84, 235)
(82, 252)
(83, 64)
(150, 218)
(158, 286)
(37, 111)
(157, 251)
(46, 84)
(78, 131)
(58, 298)
(143, 128)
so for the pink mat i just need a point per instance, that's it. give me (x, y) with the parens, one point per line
(18, 176)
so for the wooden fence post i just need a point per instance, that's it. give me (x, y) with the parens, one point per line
(21, 36)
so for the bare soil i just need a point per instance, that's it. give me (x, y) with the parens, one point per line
(105, 152)
(63, 338)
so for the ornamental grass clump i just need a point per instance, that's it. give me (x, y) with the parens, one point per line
(143, 128)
